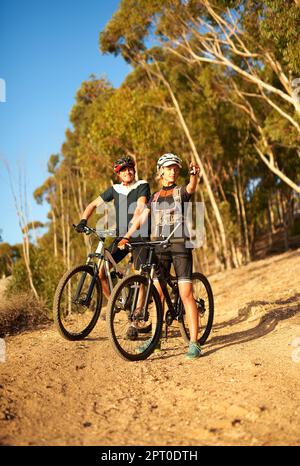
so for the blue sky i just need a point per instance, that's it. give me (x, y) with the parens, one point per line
(47, 48)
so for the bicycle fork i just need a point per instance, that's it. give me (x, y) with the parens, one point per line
(86, 301)
(144, 314)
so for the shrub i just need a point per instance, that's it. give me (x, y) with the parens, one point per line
(46, 272)
(21, 312)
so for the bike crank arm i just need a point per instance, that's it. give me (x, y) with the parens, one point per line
(168, 321)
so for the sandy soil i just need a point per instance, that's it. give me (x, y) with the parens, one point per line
(243, 391)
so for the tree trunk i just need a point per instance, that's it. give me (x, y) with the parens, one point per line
(285, 222)
(63, 227)
(214, 240)
(68, 245)
(204, 252)
(274, 168)
(238, 214)
(279, 207)
(54, 232)
(23, 224)
(202, 171)
(271, 219)
(28, 268)
(286, 233)
(234, 255)
(244, 217)
(221, 189)
(252, 230)
(78, 202)
(270, 216)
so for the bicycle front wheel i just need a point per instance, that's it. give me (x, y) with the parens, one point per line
(126, 315)
(205, 304)
(77, 303)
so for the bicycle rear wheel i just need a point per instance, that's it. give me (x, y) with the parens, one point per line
(205, 304)
(77, 303)
(124, 310)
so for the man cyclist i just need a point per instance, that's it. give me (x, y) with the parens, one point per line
(130, 198)
(167, 211)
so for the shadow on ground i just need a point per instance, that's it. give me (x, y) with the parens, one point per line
(283, 309)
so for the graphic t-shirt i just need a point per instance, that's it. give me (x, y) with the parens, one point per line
(125, 202)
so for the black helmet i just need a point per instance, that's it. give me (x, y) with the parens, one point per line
(123, 163)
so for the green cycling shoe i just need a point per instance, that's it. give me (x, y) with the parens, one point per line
(146, 345)
(194, 351)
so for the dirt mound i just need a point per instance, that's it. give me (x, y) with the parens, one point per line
(21, 312)
(243, 391)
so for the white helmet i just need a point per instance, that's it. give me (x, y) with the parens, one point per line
(168, 159)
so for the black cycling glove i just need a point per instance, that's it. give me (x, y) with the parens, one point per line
(80, 227)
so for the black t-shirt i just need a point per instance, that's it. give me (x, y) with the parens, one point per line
(125, 201)
(170, 214)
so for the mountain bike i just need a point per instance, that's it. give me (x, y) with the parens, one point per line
(118, 317)
(78, 296)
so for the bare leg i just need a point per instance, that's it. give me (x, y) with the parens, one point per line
(104, 283)
(160, 292)
(186, 294)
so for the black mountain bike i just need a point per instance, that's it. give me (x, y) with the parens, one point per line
(78, 296)
(140, 288)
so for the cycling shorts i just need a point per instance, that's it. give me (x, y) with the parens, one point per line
(182, 260)
(139, 255)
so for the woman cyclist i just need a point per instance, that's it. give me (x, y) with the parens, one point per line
(167, 212)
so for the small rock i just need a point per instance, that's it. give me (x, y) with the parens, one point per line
(263, 408)
(236, 422)
(87, 424)
(80, 367)
(8, 415)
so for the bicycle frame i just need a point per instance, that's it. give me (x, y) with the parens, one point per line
(104, 258)
(172, 313)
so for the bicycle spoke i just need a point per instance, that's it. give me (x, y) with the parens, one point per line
(77, 303)
(204, 300)
(131, 326)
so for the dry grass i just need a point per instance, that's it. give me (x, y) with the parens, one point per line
(21, 312)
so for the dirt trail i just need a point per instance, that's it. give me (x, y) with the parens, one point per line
(243, 391)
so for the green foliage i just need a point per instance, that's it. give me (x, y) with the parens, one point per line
(46, 272)
(275, 24)
(8, 256)
(138, 119)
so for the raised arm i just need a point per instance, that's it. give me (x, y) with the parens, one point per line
(194, 171)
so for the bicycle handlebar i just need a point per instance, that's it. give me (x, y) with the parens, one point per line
(163, 243)
(177, 240)
(100, 233)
